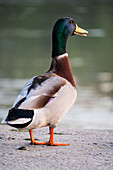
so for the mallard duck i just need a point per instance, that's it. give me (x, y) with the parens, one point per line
(46, 98)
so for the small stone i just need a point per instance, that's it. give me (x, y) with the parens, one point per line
(95, 143)
(22, 148)
(11, 138)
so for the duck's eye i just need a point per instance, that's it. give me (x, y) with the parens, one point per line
(71, 22)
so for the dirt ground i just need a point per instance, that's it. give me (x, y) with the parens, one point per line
(88, 150)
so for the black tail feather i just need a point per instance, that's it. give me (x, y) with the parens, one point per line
(19, 113)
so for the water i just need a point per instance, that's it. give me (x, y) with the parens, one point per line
(25, 51)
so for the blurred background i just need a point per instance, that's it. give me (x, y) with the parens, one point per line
(25, 51)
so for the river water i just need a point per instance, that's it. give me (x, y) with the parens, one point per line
(25, 51)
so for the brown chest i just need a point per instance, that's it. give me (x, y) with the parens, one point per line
(61, 67)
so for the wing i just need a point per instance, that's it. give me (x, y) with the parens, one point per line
(39, 91)
(23, 92)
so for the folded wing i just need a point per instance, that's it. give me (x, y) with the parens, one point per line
(39, 91)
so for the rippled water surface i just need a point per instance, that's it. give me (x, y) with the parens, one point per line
(25, 51)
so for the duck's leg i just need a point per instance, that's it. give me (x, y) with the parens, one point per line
(33, 142)
(51, 141)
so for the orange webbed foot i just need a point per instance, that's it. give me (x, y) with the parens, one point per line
(37, 143)
(57, 144)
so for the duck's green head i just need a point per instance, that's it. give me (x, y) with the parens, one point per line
(62, 29)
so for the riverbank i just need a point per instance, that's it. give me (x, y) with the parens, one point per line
(88, 150)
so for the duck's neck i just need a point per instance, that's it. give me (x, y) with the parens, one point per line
(60, 66)
(58, 44)
(60, 62)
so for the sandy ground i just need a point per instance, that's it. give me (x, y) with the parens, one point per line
(88, 150)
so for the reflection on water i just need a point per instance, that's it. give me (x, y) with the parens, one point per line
(25, 50)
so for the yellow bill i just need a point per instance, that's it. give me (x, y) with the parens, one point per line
(80, 31)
